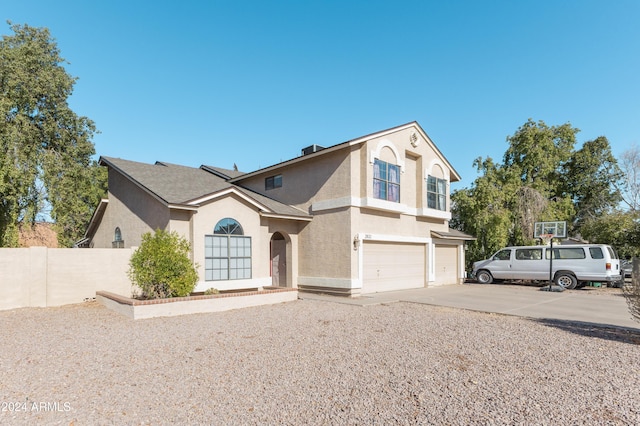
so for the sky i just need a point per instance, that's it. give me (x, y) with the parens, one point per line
(251, 83)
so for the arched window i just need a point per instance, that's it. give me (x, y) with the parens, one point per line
(227, 252)
(118, 242)
(228, 226)
(386, 181)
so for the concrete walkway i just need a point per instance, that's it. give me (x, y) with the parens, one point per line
(591, 305)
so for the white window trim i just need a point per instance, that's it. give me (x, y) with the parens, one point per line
(375, 153)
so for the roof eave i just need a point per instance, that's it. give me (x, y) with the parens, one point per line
(453, 177)
(287, 217)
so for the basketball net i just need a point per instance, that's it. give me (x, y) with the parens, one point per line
(546, 239)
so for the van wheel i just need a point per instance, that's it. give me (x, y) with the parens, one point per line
(484, 277)
(567, 281)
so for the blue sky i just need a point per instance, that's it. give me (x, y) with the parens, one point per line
(253, 82)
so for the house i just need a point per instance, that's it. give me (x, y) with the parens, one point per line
(367, 215)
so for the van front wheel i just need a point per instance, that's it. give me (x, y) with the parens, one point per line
(484, 277)
(567, 281)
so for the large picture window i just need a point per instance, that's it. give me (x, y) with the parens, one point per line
(386, 181)
(436, 193)
(227, 252)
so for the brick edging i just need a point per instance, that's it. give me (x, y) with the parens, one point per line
(136, 302)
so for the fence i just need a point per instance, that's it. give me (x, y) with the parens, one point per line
(43, 277)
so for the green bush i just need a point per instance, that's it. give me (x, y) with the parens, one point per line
(161, 266)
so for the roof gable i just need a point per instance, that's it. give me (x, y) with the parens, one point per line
(176, 185)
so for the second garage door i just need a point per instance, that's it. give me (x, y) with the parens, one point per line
(393, 266)
(446, 264)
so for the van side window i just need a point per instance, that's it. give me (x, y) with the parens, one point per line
(503, 255)
(529, 254)
(568, 253)
(596, 253)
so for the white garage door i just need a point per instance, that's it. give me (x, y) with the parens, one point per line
(393, 266)
(446, 264)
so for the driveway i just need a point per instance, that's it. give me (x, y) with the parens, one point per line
(603, 306)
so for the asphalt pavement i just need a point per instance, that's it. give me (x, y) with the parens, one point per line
(602, 306)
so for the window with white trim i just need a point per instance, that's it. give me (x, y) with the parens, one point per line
(386, 181)
(436, 193)
(227, 252)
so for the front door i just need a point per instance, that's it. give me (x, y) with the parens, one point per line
(278, 260)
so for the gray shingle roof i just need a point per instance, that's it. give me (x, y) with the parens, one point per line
(175, 184)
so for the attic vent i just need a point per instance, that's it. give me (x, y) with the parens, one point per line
(311, 149)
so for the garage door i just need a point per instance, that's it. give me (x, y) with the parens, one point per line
(446, 264)
(393, 266)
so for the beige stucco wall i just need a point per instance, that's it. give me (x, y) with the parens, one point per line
(417, 162)
(329, 177)
(260, 229)
(337, 188)
(41, 277)
(131, 209)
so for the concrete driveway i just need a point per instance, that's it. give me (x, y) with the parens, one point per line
(603, 306)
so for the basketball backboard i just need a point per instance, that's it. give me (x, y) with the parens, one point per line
(544, 229)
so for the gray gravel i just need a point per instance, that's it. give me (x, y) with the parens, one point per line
(314, 362)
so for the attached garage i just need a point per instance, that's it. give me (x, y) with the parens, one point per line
(393, 266)
(446, 264)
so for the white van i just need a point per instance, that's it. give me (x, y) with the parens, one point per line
(572, 265)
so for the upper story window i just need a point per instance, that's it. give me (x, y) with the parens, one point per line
(227, 252)
(273, 182)
(118, 242)
(386, 181)
(436, 193)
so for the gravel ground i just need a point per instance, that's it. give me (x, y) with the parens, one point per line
(313, 362)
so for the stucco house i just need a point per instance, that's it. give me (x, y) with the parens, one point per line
(367, 215)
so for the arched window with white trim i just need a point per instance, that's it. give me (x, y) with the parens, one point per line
(437, 189)
(227, 252)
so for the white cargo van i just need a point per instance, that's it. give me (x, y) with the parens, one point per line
(572, 265)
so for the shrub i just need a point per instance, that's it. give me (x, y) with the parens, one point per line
(632, 292)
(161, 266)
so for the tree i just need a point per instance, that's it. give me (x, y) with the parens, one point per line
(631, 293)
(161, 266)
(45, 148)
(538, 153)
(503, 203)
(630, 185)
(619, 229)
(591, 179)
(482, 211)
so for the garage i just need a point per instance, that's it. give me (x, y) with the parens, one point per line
(393, 266)
(446, 264)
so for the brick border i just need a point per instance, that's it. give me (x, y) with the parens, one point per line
(137, 302)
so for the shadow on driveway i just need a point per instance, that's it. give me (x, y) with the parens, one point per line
(618, 334)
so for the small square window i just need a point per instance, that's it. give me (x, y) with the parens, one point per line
(273, 182)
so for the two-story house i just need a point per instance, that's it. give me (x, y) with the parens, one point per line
(367, 215)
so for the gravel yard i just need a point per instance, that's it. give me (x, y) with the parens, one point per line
(314, 362)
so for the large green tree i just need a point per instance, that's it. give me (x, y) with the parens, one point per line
(46, 149)
(542, 178)
(591, 178)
